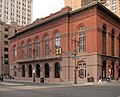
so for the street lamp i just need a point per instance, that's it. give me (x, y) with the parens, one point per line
(75, 76)
(75, 56)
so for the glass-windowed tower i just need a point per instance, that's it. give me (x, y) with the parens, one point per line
(19, 11)
(113, 5)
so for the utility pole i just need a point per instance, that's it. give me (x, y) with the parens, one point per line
(75, 53)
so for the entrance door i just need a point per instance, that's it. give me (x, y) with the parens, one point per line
(104, 69)
(112, 70)
(119, 71)
(47, 72)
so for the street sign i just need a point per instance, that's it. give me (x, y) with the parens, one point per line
(75, 51)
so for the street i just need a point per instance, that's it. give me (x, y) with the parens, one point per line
(60, 91)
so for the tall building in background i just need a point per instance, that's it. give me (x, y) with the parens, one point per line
(113, 5)
(19, 11)
(6, 30)
(75, 4)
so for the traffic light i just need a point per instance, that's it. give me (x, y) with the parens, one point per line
(77, 62)
(58, 51)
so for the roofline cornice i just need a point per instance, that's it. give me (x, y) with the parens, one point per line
(97, 4)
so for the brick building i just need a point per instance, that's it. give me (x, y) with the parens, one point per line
(89, 38)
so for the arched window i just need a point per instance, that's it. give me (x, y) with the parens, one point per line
(30, 70)
(23, 70)
(37, 70)
(47, 71)
(112, 42)
(37, 47)
(46, 45)
(82, 39)
(57, 70)
(30, 49)
(23, 50)
(104, 39)
(15, 53)
(57, 40)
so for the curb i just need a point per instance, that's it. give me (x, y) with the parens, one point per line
(10, 84)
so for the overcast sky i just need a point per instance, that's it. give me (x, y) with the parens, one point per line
(42, 8)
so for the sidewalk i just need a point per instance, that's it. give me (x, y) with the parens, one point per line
(112, 82)
(13, 82)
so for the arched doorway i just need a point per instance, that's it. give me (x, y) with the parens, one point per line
(119, 70)
(23, 70)
(57, 70)
(15, 72)
(47, 70)
(104, 69)
(37, 70)
(30, 70)
(112, 69)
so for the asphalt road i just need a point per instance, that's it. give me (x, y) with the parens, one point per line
(70, 91)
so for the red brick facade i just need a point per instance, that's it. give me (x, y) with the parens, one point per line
(97, 33)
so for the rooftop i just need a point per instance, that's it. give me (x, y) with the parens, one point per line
(62, 12)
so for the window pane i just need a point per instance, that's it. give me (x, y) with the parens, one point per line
(37, 48)
(46, 45)
(30, 49)
(82, 39)
(57, 40)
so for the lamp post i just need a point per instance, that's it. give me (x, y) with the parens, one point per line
(75, 53)
(75, 78)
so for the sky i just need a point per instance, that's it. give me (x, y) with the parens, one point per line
(42, 8)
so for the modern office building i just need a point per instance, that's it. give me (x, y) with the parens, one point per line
(113, 5)
(19, 11)
(6, 30)
(68, 46)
